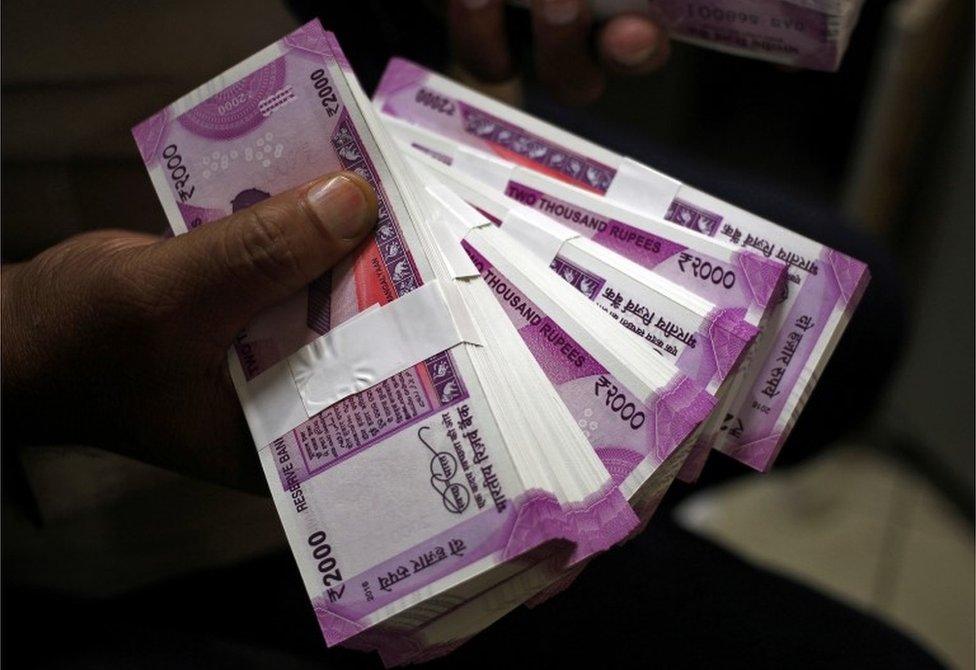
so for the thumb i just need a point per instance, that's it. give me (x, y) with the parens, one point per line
(234, 268)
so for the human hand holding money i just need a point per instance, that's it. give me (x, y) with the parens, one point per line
(150, 322)
(448, 427)
(414, 449)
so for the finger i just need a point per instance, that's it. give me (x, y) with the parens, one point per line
(478, 41)
(633, 44)
(560, 34)
(232, 269)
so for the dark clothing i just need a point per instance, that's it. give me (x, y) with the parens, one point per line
(668, 599)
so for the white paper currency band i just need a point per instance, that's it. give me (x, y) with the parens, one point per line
(411, 136)
(456, 218)
(379, 344)
(474, 163)
(540, 234)
(484, 167)
(639, 187)
(443, 229)
(537, 232)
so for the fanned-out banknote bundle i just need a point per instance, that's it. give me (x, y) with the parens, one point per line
(505, 378)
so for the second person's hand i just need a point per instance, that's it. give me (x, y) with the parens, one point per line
(626, 44)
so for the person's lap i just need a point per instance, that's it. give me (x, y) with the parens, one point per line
(667, 598)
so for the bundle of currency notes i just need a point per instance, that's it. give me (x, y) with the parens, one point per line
(809, 34)
(503, 381)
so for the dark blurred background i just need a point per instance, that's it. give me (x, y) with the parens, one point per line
(879, 516)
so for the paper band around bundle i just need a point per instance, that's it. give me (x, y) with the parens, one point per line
(537, 232)
(483, 167)
(636, 183)
(454, 219)
(458, 218)
(346, 360)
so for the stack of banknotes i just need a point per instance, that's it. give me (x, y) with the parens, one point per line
(811, 34)
(505, 378)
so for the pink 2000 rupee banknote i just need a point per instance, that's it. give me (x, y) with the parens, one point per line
(731, 277)
(743, 286)
(631, 435)
(374, 491)
(242, 139)
(704, 342)
(633, 426)
(823, 284)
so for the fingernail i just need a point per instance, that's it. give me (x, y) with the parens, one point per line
(341, 207)
(560, 12)
(632, 40)
(634, 57)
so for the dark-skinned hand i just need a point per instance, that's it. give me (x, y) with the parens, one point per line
(119, 339)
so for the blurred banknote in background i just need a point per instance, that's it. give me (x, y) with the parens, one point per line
(809, 34)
